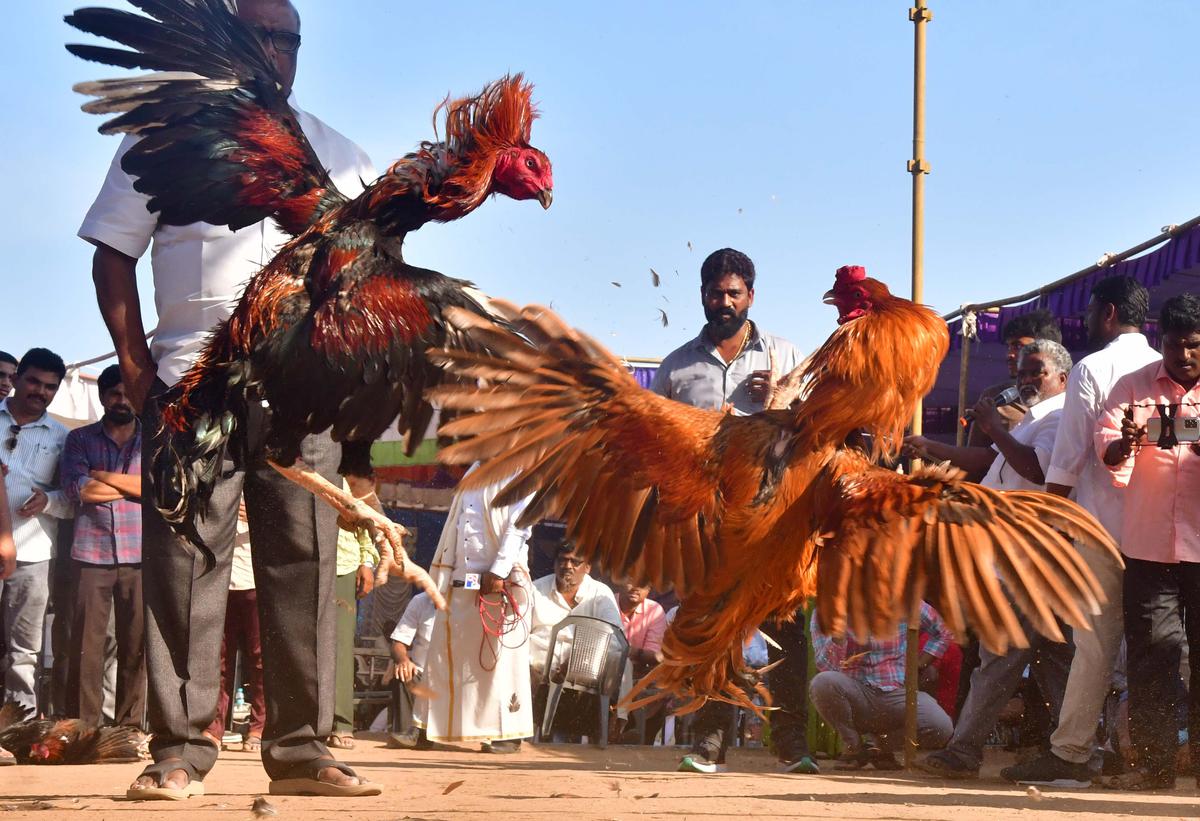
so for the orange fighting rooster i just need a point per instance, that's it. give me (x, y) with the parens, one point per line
(332, 333)
(749, 516)
(68, 741)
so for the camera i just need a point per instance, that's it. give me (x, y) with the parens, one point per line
(1187, 428)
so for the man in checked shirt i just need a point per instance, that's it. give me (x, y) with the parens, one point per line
(102, 475)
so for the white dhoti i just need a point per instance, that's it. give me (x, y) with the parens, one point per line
(477, 666)
(478, 681)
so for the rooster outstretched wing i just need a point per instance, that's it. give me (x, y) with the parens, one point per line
(888, 541)
(749, 516)
(630, 471)
(219, 143)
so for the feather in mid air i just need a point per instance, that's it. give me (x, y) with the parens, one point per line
(338, 306)
(747, 517)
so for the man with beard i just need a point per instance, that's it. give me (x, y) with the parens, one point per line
(32, 445)
(1018, 460)
(729, 365)
(102, 475)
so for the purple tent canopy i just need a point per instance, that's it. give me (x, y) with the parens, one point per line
(1172, 268)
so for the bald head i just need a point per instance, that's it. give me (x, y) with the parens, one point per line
(270, 18)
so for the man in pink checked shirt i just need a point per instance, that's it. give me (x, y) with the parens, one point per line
(1160, 540)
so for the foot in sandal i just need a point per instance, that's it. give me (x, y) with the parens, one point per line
(325, 777)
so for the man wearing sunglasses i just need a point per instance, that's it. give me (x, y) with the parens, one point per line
(199, 271)
(30, 445)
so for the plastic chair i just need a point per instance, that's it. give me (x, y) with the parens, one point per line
(590, 667)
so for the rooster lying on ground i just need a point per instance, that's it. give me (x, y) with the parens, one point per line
(749, 516)
(332, 333)
(69, 741)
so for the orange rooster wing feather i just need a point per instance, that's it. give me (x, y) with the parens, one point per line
(888, 541)
(629, 471)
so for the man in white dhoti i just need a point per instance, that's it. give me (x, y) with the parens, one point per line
(477, 666)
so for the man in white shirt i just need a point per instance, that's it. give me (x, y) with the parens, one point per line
(568, 591)
(1017, 460)
(32, 447)
(478, 662)
(199, 271)
(1115, 314)
(410, 648)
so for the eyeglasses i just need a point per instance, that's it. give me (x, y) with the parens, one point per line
(285, 42)
(571, 561)
(11, 443)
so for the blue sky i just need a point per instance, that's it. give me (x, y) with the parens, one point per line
(1056, 132)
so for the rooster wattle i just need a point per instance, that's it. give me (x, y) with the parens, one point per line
(747, 517)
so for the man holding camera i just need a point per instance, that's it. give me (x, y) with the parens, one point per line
(1148, 439)
(1017, 461)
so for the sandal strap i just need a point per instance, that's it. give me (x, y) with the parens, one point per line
(311, 769)
(159, 770)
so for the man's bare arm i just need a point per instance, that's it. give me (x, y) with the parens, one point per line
(127, 484)
(95, 492)
(115, 277)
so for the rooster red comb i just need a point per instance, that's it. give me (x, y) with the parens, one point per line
(850, 273)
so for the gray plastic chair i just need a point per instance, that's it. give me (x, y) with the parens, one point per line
(591, 666)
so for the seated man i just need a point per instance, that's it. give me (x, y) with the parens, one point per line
(568, 591)
(410, 644)
(645, 623)
(859, 691)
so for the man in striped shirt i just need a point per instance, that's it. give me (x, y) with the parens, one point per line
(102, 476)
(30, 445)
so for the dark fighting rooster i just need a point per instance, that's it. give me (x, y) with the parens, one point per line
(68, 741)
(332, 333)
(747, 517)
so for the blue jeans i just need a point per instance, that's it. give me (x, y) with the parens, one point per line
(23, 597)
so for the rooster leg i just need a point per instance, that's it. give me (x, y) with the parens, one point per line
(357, 512)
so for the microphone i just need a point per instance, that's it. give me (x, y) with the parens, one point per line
(1009, 396)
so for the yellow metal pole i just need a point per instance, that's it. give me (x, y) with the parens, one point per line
(920, 15)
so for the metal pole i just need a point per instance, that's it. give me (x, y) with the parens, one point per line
(964, 367)
(920, 15)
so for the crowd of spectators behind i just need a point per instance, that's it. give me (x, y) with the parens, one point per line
(1118, 702)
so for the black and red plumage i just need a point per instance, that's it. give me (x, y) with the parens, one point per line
(332, 332)
(65, 741)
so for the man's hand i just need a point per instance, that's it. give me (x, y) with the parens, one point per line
(364, 582)
(1132, 434)
(917, 447)
(759, 385)
(987, 417)
(36, 504)
(406, 671)
(490, 584)
(8, 556)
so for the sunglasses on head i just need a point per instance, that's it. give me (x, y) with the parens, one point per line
(285, 42)
(11, 442)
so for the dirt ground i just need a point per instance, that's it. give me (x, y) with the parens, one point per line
(575, 783)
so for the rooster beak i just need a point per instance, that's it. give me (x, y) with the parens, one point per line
(545, 197)
(828, 298)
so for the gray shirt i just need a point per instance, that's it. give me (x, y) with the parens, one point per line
(695, 373)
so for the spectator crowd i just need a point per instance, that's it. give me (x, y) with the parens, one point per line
(552, 657)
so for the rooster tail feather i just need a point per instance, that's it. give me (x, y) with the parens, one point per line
(200, 430)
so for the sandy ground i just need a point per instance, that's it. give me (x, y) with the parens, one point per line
(575, 783)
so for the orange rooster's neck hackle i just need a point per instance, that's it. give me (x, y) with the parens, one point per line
(873, 369)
